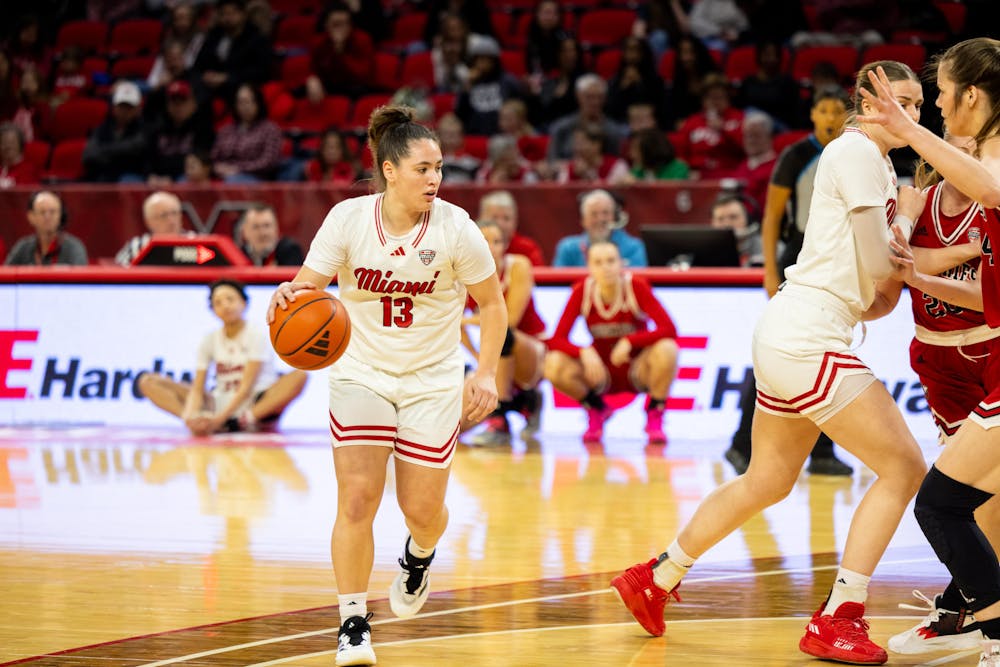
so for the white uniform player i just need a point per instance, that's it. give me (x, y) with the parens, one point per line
(802, 343)
(405, 296)
(404, 260)
(230, 357)
(805, 368)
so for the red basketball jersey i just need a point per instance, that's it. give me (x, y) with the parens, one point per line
(936, 230)
(990, 271)
(629, 315)
(531, 322)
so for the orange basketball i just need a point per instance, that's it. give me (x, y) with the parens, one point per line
(313, 332)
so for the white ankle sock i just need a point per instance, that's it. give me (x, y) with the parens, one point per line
(849, 586)
(670, 571)
(355, 604)
(418, 550)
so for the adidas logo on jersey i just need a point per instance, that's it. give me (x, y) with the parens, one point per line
(398, 252)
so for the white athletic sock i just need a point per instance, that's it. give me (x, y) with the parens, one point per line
(849, 586)
(669, 572)
(355, 604)
(418, 550)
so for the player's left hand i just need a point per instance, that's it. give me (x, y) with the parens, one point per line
(621, 352)
(480, 397)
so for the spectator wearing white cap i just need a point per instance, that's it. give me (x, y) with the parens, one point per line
(116, 150)
(478, 105)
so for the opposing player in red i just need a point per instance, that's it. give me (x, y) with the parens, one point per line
(967, 474)
(957, 357)
(625, 354)
(808, 378)
(404, 261)
(523, 352)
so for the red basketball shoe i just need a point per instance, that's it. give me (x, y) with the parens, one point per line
(842, 636)
(642, 597)
(595, 424)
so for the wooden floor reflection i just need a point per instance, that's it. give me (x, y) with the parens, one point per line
(141, 548)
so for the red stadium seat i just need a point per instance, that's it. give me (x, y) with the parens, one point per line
(76, 117)
(295, 70)
(67, 161)
(476, 145)
(37, 153)
(286, 7)
(843, 58)
(330, 112)
(513, 62)
(503, 27)
(913, 55)
(605, 27)
(954, 13)
(88, 35)
(407, 28)
(607, 61)
(418, 70)
(742, 62)
(132, 67)
(534, 148)
(135, 36)
(94, 65)
(443, 103)
(386, 71)
(295, 33)
(363, 108)
(666, 65)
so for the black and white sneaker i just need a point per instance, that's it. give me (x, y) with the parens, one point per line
(411, 587)
(355, 644)
(942, 629)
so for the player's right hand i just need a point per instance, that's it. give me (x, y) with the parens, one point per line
(283, 295)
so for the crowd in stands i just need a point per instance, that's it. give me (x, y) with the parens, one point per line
(520, 91)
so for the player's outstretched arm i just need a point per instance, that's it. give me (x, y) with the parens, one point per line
(482, 386)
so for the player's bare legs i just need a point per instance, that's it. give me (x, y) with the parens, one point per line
(420, 491)
(570, 376)
(529, 360)
(360, 483)
(655, 369)
(164, 393)
(872, 429)
(277, 397)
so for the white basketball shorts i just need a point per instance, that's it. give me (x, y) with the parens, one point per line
(416, 413)
(802, 357)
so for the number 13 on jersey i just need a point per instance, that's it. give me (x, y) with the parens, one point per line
(397, 312)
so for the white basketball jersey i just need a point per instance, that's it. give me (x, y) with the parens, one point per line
(851, 174)
(230, 357)
(405, 294)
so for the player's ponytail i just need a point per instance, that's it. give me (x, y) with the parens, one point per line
(390, 131)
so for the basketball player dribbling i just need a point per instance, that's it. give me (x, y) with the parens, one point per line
(403, 260)
(967, 474)
(808, 378)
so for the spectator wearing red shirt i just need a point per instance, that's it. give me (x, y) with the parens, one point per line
(342, 62)
(711, 141)
(33, 113)
(755, 170)
(70, 80)
(13, 169)
(588, 163)
(501, 207)
(334, 162)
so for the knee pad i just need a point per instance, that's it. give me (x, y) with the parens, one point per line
(945, 509)
(508, 344)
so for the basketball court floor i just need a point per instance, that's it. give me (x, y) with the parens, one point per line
(146, 548)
